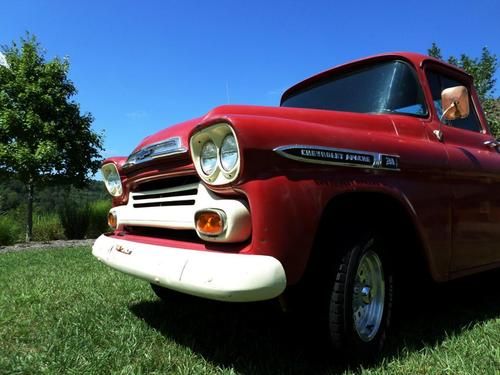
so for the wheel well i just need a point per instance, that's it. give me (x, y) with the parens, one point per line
(350, 215)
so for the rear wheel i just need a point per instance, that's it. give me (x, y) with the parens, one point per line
(360, 299)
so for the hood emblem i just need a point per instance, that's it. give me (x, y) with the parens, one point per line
(143, 154)
(171, 146)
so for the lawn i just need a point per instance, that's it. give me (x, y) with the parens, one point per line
(61, 311)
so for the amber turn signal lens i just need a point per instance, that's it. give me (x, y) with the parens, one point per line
(112, 220)
(209, 223)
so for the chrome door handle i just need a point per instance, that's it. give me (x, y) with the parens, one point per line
(493, 143)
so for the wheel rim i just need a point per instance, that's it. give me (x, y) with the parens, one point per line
(368, 296)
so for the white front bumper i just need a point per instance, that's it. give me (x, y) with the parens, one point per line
(213, 275)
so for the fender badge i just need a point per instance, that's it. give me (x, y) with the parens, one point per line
(339, 156)
(123, 250)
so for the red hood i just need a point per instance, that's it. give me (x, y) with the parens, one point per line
(183, 129)
(226, 112)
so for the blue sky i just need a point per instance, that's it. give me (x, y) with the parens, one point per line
(143, 65)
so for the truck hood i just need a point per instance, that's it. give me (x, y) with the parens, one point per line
(363, 122)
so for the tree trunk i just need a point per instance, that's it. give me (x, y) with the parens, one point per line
(29, 211)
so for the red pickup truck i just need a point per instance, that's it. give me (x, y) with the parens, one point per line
(366, 173)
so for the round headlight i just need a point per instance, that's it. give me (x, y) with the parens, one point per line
(208, 158)
(228, 153)
(112, 179)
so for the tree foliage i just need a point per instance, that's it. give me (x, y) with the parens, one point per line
(44, 137)
(483, 70)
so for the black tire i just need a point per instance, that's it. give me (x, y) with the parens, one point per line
(359, 299)
(167, 295)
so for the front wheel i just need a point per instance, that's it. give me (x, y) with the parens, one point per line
(360, 299)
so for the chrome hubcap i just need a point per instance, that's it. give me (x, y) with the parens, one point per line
(368, 296)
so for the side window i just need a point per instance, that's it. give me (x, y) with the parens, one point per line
(438, 82)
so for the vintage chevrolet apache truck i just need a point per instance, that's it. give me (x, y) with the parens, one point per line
(379, 168)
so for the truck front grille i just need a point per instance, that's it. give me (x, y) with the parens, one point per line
(173, 196)
(168, 203)
(166, 208)
(165, 204)
(165, 183)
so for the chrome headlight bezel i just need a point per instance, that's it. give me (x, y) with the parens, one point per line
(112, 179)
(216, 134)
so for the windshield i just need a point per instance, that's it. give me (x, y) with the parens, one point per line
(387, 87)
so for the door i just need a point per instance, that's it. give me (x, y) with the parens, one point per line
(474, 175)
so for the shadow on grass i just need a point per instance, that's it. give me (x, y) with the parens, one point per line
(428, 316)
(258, 338)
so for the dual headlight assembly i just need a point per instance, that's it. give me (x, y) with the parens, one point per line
(216, 154)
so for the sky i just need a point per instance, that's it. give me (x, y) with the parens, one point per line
(140, 66)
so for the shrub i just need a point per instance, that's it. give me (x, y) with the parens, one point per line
(98, 212)
(47, 227)
(10, 230)
(75, 218)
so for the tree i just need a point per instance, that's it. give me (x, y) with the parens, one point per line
(44, 139)
(483, 70)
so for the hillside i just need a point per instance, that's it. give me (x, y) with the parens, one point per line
(50, 198)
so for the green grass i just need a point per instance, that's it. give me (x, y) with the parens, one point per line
(75, 219)
(63, 312)
(9, 230)
(47, 227)
(98, 212)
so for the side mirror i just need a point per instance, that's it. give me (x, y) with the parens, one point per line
(455, 103)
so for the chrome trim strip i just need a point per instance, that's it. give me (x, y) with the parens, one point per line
(339, 156)
(156, 151)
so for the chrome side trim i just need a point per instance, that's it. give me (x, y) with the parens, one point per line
(169, 147)
(339, 156)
